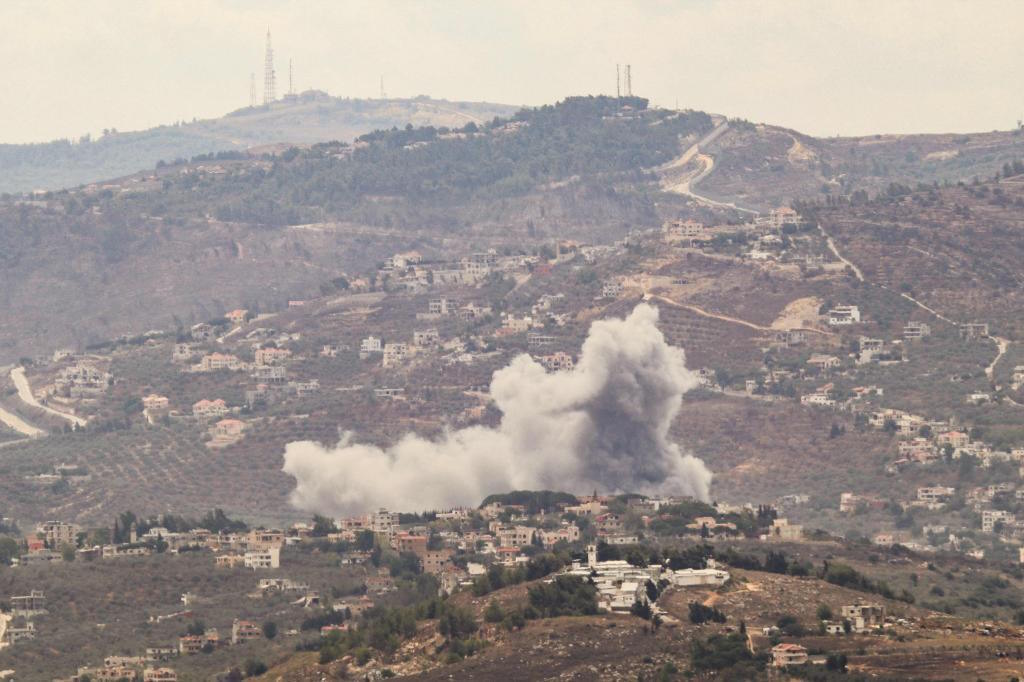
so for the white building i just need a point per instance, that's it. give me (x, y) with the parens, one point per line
(370, 345)
(264, 558)
(843, 315)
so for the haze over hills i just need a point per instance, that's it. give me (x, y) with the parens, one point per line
(90, 264)
(805, 354)
(306, 118)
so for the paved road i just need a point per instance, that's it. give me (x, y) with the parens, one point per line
(20, 425)
(685, 183)
(26, 396)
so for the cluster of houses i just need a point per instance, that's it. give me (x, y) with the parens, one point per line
(620, 584)
(859, 618)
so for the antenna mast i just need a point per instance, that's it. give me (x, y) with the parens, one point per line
(618, 82)
(252, 89)
(629, 81)
(291, 88)
(269, 81)
(382, 94)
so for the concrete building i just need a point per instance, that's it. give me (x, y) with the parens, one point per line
(263, 558)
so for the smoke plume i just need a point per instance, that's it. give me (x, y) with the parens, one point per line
(602, 425)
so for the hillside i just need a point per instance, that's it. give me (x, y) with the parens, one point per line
(760, 166)
(191, 241)
(308, 118)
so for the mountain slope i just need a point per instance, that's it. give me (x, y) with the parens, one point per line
(305, 119)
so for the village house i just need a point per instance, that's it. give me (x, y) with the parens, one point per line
(1017, 379)
(32, 604)
(843, 315)
(244, 630)
(238, 316)
(183, 352)
(395, 354)
(369, 346)
(226, 432)
(229, 561)
(849, 502)
(159, 675)
(955, 439)
(270, 374)
(991, 517)
(113, 673)
(259, 394)
(331, 350)
(202, 332)
(83, 380)
(783, 530)
(514, 325)
(263, 558)
(435, 561)
(786, 654)
(220, 361)
(824, 362)
(194, 644)
(124, 550)
(790, 337)
(57, 533)
(916, 330)
(515, 536)
(820, 399)
(209, 409)
(974, 330)
(304, 388)
(935, 494)
(556, 362)
(14, 634)
(777, 217)
(864, 617)
(905, 424)
(611, 290)
(538, 340)
(566, 533)
(608, 522)
(271, 356)
(155, 654)
(155, 403)
(426, 338)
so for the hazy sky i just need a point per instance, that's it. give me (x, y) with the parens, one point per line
(851, 67)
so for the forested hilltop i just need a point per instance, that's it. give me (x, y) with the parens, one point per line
(192, 239)
(435, 169)
(307, 118)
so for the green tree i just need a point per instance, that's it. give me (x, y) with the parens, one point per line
(494, 613)
(270, 629)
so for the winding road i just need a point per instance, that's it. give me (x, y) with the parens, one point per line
(685, 183)
(26, 396)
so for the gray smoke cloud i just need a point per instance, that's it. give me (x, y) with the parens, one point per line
(603, 425)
